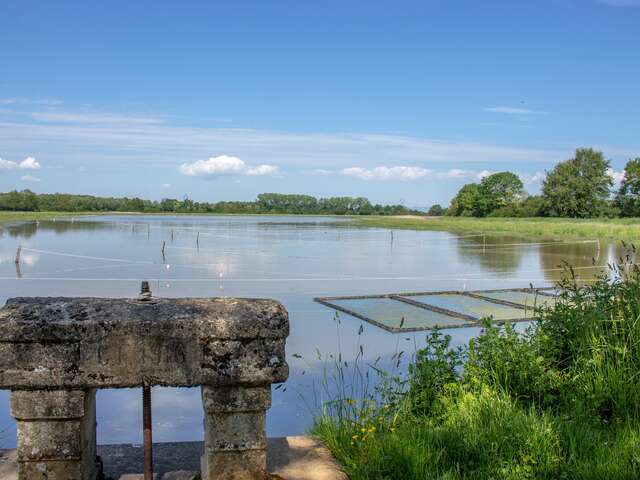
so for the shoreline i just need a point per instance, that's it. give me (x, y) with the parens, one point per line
(627, 229)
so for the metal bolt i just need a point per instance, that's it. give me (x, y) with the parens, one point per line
(145, 291)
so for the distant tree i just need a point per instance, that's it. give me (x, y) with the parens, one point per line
(628, 197)
(467, 202)
(578, 187)
(265, 203)
(494, 192)
(531, 206)
(499, 190)
(25, 201)
(436, 210)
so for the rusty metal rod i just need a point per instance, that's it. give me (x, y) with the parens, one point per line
(148, 437)
(145, 295)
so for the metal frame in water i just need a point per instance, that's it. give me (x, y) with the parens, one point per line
(460, 319)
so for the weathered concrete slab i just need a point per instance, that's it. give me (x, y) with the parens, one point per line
(66, 343)
(292, 458)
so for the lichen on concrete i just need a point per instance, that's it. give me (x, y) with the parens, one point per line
(55, 352)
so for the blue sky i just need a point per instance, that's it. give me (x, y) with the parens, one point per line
(398, 101)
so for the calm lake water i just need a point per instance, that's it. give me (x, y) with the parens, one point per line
(291, 259)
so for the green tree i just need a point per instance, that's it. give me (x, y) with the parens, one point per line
(578, 187)
(25, 201)
(628, 197)
(436, 210)
(467, 202)
(499, 190)
(531, 206)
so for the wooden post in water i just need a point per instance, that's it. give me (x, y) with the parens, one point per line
(163, 243)
(18, 252)
(198, 240)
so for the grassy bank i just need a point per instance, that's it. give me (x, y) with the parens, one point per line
(617, 228)
(10, 217)
(558, 402)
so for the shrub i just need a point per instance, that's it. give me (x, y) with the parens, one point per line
(561, 400)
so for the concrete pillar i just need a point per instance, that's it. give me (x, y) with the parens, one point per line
(235, 443)
(56, 434)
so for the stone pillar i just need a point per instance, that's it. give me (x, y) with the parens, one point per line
(56, 434)
(235, 443)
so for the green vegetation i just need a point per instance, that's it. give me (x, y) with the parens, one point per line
(576, 188)
(560, 228)
(494, 192)
(560, 401)
(271, 203)
(9, 217)
(628, 197)
(436, 210)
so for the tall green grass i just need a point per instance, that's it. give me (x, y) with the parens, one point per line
(604, 228)
(559, 401)
(9, 217)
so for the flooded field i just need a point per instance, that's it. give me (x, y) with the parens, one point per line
(291, 259)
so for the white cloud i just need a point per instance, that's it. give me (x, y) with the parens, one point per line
(412, 173)
(225, 165)
(7, 165)
(29, 101)
(320, 171)
(483, 173)
(528, 178)
(261, 170)
(29, 163)
(29, 178)
(166, 185)
(456, 173)
(94, 118)
(386, 173)
(156, 142)
(615, 175)
(515, 111)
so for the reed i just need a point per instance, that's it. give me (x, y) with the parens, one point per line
(561, 400)
(554, 228)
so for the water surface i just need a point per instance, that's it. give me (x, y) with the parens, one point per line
(291, 259)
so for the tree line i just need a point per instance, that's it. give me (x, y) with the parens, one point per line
(28, 201)
(580, 187)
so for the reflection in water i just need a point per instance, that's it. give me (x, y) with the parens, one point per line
(490, 253)
(584, 258)
(29, 229)
(291, 259)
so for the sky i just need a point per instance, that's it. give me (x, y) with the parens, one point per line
(400, 102)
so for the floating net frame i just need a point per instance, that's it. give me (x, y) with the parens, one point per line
(467, 319)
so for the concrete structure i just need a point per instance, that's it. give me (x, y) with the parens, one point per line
(288, 458)
(55, 352)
